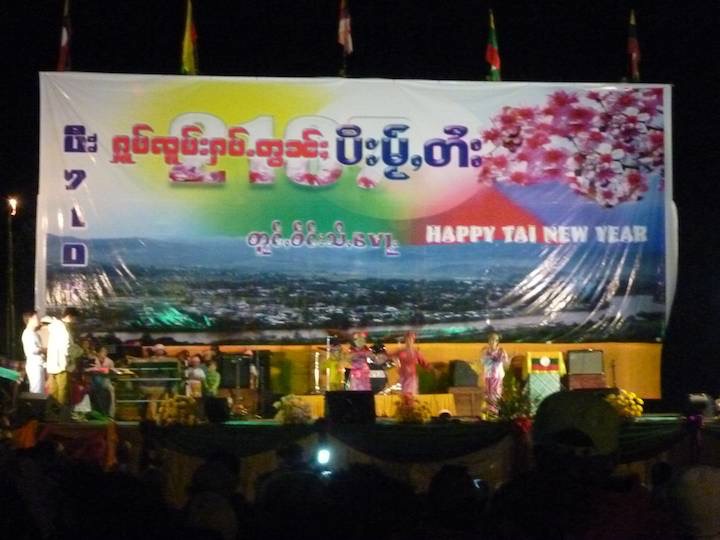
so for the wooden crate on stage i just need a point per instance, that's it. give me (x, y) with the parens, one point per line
(582, 381)
(468, 400)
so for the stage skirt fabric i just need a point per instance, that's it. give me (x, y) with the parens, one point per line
(385, 405)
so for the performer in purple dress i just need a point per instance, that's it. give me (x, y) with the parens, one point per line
(360, 356)
(408, 358)
(494, 360)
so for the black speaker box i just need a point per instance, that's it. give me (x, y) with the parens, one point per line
(217, 409)
(235, 369)
(461, 374)
(350, 407)
(41, 408)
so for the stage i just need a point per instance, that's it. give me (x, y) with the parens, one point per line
(494, 451)
(632, 366)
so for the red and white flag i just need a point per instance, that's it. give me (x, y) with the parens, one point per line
(64, 56)
(344, 29)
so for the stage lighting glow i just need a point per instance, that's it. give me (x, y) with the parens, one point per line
(13, 204)
(323, 456)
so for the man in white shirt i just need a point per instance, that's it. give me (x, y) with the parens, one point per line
(61, 355)
(34, 361)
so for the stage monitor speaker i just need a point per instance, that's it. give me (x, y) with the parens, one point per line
(461, 374)
(350, 407)
(585, 362)
(217, 409)
(41, 408)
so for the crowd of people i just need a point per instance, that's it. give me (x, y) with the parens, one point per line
(570, 493)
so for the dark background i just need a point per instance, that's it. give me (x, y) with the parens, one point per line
(550, 40)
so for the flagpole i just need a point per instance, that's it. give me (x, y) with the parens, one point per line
(10, 327)
(343, 66)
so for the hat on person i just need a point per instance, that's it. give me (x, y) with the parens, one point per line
(579, 422)
(46, 319)
(158, 347)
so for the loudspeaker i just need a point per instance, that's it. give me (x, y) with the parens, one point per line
(461, 374)
(261, 359)
(585, 362)
(350, 407)
(235, 370)
(41, 408)
(217, 409)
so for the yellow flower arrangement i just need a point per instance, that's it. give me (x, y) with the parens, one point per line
(412, 411)
(627, 404)
(292, 410)
(178, 410)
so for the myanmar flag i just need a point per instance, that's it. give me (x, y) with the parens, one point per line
(189, 59)
(492, 52)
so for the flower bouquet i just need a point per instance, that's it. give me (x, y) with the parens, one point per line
(178, 410)
(412, 411)
(515, 403)
(627, 404)
(292, 410)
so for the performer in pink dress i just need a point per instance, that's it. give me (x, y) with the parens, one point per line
(495, 360)
(408, 358)
(360, 353)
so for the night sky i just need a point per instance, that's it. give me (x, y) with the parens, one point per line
(550, 40)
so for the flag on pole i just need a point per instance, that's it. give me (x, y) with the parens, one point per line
(492, 52)
(344, 29)
(633, 48)
(189, 59)
(64, 56)
(344, 35)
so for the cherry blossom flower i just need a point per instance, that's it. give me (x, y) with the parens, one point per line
(605, 144)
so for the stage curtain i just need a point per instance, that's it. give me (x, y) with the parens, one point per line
(26, 435)
(242, 439)
(385, 404)
(647, 436)
(420, 442)
(316, 404)
(85, 441)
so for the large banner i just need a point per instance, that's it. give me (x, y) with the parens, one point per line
(277, 209)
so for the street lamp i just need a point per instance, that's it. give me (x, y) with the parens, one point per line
(10, 326)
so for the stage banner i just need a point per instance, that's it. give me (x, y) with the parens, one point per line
(274, 210)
